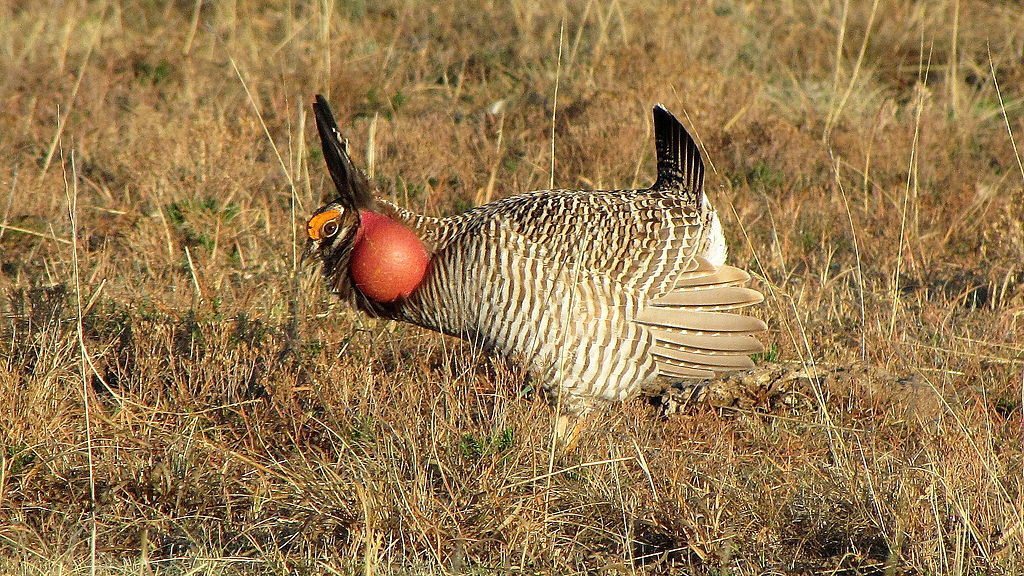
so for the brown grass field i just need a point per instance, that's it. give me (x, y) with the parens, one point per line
(178, 395)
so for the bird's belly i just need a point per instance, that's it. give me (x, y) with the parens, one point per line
(574, 330)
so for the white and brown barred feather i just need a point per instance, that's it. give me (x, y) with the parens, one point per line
(601, 292)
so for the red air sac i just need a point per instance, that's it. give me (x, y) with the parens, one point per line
(388, 260)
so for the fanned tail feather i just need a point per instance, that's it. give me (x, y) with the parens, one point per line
(719, 297)
(709, 344)
(689, 320)
(676, 371)
(703, 278)
(695, 333)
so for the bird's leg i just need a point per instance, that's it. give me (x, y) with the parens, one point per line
(567, 431)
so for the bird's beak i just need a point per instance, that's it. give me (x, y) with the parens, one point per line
(312, 250)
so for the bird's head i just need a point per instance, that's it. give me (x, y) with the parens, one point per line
(359, 243)
(331, 233)
(332, 230)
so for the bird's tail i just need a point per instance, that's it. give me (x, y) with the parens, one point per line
(696, 331)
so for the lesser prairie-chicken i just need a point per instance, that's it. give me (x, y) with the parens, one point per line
(601, 293)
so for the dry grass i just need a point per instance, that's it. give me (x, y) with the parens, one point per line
(221, 415)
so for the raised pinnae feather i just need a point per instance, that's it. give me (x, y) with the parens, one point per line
(353, 186)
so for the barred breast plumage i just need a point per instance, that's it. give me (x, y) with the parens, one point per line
(599, 292)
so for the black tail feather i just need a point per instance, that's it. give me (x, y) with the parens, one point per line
(679, 161)
(350, 181)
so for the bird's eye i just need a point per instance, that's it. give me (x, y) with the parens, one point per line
(330, 228)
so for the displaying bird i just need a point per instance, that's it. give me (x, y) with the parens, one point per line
(600, 293)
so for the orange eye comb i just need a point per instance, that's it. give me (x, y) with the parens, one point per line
(315, 226)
